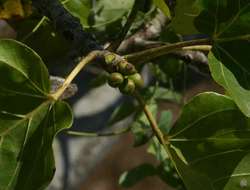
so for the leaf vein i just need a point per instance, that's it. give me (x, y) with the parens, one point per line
(214, 155)
(190, 125)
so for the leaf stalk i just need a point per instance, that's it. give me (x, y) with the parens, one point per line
(90, 57)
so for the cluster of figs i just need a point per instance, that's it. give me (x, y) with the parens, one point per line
(122, 74)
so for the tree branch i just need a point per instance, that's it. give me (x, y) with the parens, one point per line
(149, 54)
(68, 25)
(90, 57)
(114, 45)
(150, 31)
(151, 120)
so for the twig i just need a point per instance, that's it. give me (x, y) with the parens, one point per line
(146, 55)
(150, 31)
(191, 54)
(151, 119)
(68, 25)
(90, 57)
(113, 46)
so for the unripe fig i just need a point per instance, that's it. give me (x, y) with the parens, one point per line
(128, 87)
(115, 79)
(126, 68)
(137, 80)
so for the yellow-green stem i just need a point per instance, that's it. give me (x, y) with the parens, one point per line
(163, 139)
(90, 57)
(198, 48)
(151, 119)
(146, 55)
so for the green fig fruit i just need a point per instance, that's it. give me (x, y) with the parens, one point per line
(128, 87)
(115, 79)
(126, 68)
(137, 80)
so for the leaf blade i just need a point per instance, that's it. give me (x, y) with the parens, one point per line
(214, 146)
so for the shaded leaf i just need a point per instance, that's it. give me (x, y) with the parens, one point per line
(133, 176)
(165, 121)
(45, 41)
(227, 23)
(101, 13)
(99, 80)
(170, 66)
(123, 111)
(160, 93)
(167, 173)
(213, 137)
(29, 119)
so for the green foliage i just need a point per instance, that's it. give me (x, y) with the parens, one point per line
(209, 144)
(165, 121)
(140, 127)
(227, 22)
(29, 119)
(123, 111)
(185, 13)
(130, 178)
(161, 4)
(226, 78)
(103, 17)
(206, 148)
(44, 40)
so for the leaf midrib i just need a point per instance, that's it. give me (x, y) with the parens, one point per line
(31, 82)
(190, 125)
(28, 116)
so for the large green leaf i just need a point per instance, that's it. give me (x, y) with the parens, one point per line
(227, 22)
(223, 76)
(99, 13)
(210, 144)
(29, 119)
(80, 9)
